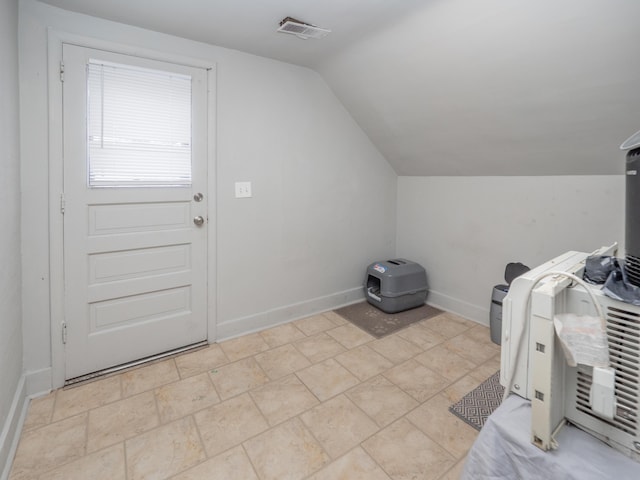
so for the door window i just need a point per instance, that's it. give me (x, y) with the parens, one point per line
(139, 126)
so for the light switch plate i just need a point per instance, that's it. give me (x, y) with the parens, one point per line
(243, 189)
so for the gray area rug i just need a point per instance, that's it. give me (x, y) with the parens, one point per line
(378, 323)
(476, 406)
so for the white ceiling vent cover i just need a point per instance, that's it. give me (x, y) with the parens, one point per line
(301, 29)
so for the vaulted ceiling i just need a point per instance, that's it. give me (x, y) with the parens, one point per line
(446, 87)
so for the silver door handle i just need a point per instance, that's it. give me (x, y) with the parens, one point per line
(198, 220)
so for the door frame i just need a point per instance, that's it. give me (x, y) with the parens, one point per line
(56, 39)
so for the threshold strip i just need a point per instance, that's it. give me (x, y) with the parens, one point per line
(89, 377)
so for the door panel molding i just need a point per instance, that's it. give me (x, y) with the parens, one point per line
(56, 39)
(135, 305)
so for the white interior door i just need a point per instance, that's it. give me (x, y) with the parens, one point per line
(135, 235)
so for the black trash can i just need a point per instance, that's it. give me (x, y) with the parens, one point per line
(495, 313)
(511, 272)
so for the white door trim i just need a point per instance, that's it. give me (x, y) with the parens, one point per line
(56, 169)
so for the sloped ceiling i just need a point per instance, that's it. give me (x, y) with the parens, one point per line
(446, 87)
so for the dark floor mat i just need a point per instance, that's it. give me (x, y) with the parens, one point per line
(378, 323)
(476, 406)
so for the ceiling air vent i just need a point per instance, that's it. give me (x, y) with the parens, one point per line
(301, 29)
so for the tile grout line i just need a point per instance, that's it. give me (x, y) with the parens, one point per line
(455, 465)
(324, 450)
(208, 374)
(202, 444)
(253, 467)
(430, 437)
(126, 459)
(86, 434)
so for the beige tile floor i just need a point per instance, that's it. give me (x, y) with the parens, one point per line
(313, 399)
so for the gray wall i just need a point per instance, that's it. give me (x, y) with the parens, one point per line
(324, 197)
(10, 321)
(464, 230)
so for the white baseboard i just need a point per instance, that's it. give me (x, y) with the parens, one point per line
(271, 318)
(459, 307)
(30, 385)
(38, 382)
(13, 427)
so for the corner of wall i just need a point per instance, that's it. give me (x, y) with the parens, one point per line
(459, 307)
(38, 382)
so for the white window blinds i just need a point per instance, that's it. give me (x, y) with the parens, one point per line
(139, 126)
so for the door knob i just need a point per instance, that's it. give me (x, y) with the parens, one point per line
(198, 220)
